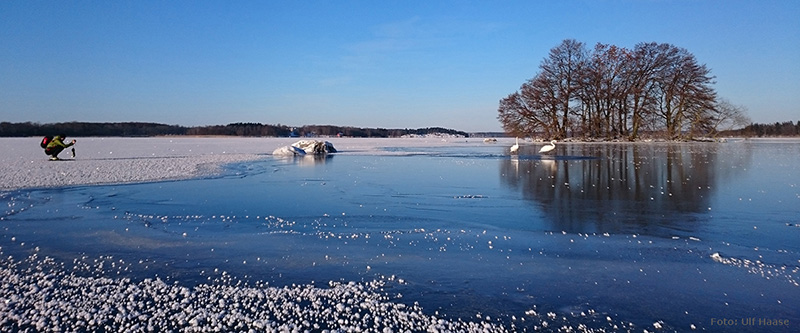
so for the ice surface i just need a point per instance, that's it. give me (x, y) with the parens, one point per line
(424, 234)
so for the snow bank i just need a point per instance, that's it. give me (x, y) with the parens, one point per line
(121, 160)
(131, 160)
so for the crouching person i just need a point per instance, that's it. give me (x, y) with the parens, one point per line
(57, 145)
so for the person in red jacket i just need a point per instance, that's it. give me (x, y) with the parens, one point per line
(57, 145)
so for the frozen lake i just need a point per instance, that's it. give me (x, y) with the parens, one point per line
(603, 236)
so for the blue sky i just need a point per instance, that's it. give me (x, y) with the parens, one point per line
(391, 64)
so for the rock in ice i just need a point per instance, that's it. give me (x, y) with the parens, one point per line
(306, 147)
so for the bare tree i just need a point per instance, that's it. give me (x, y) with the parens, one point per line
(613, 92)
(516, 116)
(562, 71)
(601, 89)
(641, 70)
(684, 91)
(533, 109)
(725, 117)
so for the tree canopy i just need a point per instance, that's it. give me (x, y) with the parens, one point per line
(611, 92)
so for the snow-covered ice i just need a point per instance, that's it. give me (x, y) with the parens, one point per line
(127, 160)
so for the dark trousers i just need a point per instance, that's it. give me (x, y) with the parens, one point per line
(54, 151)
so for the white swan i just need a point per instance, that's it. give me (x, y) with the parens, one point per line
(547, 149)
(515, 147)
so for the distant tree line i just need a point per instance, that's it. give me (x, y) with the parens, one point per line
(610, 92)
(785, 129)
(25, 129)
(328, 130)
(241, 129)
(89, 129)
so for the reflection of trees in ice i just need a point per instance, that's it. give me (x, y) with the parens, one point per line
(643, 187)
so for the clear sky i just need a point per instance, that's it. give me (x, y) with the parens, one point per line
(390, 64)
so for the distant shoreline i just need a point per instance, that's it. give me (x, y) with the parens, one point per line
(144, 129)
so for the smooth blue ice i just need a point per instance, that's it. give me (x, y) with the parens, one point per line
(676, 235)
